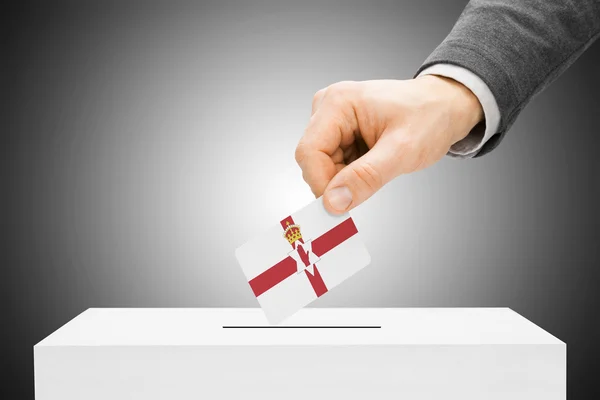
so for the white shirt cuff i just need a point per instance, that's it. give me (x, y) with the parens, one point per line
(471, 144)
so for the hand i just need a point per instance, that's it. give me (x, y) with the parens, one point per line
(361, 135)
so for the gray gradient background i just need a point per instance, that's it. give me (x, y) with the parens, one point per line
(143, 142)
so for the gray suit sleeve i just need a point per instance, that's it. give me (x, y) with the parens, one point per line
(518, 47)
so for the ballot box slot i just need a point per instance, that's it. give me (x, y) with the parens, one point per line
(302, 327)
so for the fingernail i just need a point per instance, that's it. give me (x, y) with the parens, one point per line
(339, 198)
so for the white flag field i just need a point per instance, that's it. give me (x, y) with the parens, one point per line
(301, 258)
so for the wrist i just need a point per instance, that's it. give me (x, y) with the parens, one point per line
(465, 109)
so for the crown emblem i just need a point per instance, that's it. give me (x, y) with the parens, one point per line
(292, 233)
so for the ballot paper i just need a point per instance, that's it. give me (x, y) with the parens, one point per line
(301, 258)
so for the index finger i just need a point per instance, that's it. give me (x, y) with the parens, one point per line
(319, 150)
(318, 169)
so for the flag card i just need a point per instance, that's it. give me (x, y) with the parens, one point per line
(301, 258)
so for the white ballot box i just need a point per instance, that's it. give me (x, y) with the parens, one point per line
(365, 353)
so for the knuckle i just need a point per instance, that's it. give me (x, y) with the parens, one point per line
(306, 177)
(342, 96)
(300, 152)
(341, 87)
(336, 101)
(318, 95)
(335, 123)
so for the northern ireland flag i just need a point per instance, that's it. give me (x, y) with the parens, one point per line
(301, 258)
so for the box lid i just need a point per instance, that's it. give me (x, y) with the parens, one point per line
(310, 326)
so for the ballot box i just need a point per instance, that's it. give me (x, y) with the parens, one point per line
(364, 353)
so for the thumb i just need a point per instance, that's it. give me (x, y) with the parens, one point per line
(358, 181)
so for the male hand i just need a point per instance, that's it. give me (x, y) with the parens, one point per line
(361, 135)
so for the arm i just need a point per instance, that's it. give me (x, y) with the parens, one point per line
(361, 135)
(517, 48)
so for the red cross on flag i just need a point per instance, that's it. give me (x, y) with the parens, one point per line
(300, 259)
